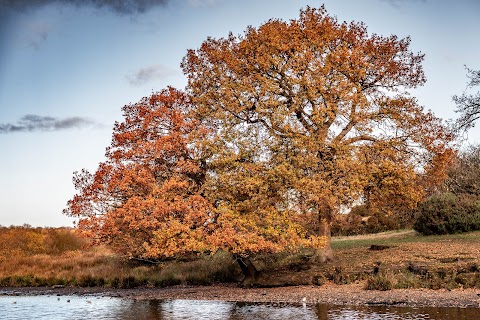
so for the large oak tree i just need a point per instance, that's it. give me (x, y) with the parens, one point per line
(331, 106)
(281, 129)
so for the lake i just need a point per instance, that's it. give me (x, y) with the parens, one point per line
(100, 308)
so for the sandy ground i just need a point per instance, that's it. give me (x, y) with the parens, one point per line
(352, 294)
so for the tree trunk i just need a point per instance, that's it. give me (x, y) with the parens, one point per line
(248, 270)
(325, 254)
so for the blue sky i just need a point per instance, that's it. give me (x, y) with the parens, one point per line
(67, 69)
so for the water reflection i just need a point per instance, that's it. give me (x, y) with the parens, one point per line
(363, 313)
(326, 312)
(102, 308)
(149, 309)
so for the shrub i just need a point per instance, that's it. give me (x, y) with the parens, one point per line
(59, 240)
(446, 213)
(379, 282)
(87, 281)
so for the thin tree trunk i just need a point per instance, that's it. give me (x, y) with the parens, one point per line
(248, 269)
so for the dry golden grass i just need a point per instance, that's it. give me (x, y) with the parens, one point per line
(409, 261)
(39, 257)
(96, 267)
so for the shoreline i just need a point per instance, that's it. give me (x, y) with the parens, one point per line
(331, 294)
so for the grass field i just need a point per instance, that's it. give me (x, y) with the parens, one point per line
(406, 260)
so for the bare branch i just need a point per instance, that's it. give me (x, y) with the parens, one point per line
(468, 105)
(362, 137)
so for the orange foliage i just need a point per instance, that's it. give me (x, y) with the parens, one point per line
(284, 126)
(162, 193)
(329, 105)
(145, 199)
(26, 241)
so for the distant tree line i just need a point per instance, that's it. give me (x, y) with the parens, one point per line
(26, 240)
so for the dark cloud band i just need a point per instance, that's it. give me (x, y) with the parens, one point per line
(119, 6)
(32, 123)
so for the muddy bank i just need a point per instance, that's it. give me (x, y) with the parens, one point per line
(352, 294)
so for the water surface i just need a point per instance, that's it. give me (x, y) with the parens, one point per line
(102, 308)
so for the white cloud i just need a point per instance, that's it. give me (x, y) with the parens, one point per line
(399, 3)
(147, 74)
(123, 7)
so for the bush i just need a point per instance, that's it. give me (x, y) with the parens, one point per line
(446, 213)
(60, 240)
(379, 282)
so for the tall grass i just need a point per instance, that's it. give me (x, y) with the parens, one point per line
(46, 257)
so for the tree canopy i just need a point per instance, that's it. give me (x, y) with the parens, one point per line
(323, 94)
(163, 193)
(279, 129)
(464, 174)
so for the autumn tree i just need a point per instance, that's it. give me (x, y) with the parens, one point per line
(389, 180)
(169, 187)
(468, 105)
(322, 95)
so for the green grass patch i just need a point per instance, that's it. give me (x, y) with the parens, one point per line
(392, 238)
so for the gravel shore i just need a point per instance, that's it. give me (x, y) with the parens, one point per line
(352, 294)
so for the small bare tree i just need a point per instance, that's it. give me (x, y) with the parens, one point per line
(464, 175)
(468, 104)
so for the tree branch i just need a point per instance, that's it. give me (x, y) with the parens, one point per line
(345, 131)
(362, 137)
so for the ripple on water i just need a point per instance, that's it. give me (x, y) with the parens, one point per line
(104, 308)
